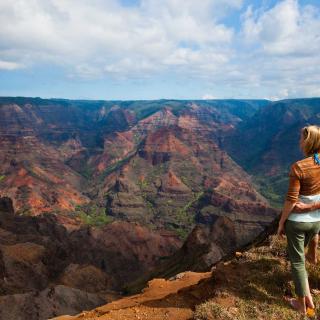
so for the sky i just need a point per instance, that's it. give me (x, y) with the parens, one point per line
(160, 49)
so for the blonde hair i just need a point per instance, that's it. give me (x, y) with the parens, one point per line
(310, 136)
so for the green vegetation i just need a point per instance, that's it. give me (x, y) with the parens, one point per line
(93, 215)
(142, 184)
(183, 214)
(184, 217)
(24, 211)
(185, 180)
(272, 188)
(147, 109)
(156, 172)
(255, 285)
(136, 138)
(182, 233)
(197, 197)
(2, 177)
(115, 166)
(86, 171)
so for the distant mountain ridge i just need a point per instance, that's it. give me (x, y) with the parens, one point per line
(146, 161)
(272, 140)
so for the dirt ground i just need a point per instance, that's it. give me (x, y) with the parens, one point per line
(162, 299)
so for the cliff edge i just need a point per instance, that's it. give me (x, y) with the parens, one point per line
(251, 285)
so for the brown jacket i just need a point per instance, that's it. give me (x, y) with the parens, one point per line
(304, 179)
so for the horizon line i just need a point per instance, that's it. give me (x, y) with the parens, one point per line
(157, 99)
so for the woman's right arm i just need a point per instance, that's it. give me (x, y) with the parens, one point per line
(287, 208)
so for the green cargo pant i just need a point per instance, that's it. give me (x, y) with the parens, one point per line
(298, 236)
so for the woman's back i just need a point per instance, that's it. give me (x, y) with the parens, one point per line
(304, 186)
(308, 173)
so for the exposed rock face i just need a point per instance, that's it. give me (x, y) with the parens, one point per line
(35, 176)
(6, 206)
(273, 135)
(161, 299)
(47, 303)
(248, 285)
(219, 237)
(85, 277)
(164, 181)
(46, 270)
(144, 161)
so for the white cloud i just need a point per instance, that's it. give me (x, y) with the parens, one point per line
(275, 53)
(287, 28)
(279, 51)
(7, 65)
(105, 36)
(208, 96)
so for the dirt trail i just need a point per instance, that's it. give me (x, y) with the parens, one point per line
(162, 299)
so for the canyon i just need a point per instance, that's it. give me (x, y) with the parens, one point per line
(99, 197)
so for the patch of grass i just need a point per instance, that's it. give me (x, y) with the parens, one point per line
(211, 310)
(254, 286)
(2, 177)
(264, 311)
(272, 188)
(95, 220)
(142, 184)
(183, 215)
(182, 233)
(93, 215)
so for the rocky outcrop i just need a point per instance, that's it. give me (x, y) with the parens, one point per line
(217, 238)
(46, 270)
(47, 303)
(160, 300)
(6, 206)
(249, 285)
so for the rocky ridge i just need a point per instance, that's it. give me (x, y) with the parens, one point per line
(46, 270)
(250, 285)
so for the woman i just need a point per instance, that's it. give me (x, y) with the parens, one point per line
(302, 229)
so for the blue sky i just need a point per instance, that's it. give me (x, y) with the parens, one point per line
(151, 49)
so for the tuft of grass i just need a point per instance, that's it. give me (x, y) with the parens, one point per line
(211, 310)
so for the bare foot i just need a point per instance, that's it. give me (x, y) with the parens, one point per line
(309, 302)
(296, 305)
(311, 256)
